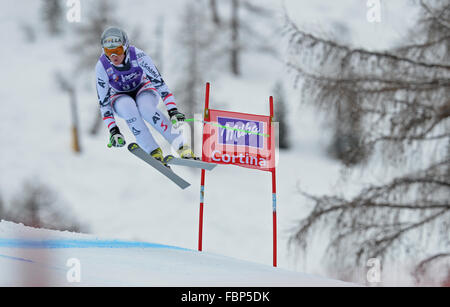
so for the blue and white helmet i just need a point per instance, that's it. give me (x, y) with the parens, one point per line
(114, 37)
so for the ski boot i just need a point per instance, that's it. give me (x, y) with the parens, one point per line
(186, 152)
(158, 155)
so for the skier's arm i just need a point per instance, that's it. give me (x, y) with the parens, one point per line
(104, 93)
(153, 75)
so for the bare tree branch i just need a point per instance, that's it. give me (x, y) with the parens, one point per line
(393, 103)
(307, 39)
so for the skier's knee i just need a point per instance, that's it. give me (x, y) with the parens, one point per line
(126, 107)
(148, 99)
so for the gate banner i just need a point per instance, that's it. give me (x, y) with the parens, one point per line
(240, 139)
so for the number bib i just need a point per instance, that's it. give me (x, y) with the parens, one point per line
(127, 78)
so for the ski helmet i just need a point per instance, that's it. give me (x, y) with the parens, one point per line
(114, 41)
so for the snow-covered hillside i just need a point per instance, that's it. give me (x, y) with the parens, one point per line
(41, 257)
(119, 197)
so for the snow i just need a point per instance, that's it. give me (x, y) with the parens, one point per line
(119, 198)
(39, 257)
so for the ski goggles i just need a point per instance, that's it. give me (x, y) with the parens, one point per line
(117, 51)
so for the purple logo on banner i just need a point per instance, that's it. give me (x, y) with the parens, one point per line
(234, 133)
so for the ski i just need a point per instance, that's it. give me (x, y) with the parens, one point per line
(171, 160)
(138, 152)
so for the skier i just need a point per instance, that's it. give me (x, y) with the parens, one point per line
(129, 85)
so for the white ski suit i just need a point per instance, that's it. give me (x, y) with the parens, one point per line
(132, 90)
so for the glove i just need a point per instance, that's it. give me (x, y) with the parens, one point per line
(116, 139)
(177, 118)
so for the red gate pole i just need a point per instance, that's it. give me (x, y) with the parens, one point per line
(274, 214)
(200, 221)
(202, 182)
(274, 189)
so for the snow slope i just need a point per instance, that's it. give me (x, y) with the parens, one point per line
(31, 257)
